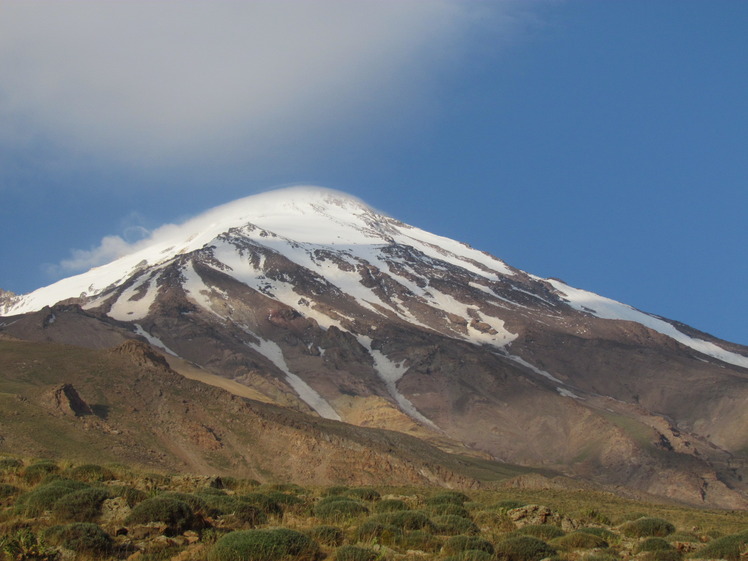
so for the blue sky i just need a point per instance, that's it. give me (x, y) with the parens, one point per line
(600, 142)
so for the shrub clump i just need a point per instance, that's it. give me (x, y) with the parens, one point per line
(579, 540)
(647, 528)
(8, 490)
(456, 544)
(542, 531)
(34, 473)
(264, 545)
(374, 529)
(454, 497)
(390, 505)
(727, 547)
(523, 548)
(80, 506)
(410, 520)
(364, 494)
(132, 495)
(197, 504)
(91, 473)
(263, 502)
(339, 508)
(653, 544)
(355, 553)
(599, 532)
(450, 508)
(82, 537)
(327, 535)
(421, 541)
(36, 501)
(451, 525)
(175, 514)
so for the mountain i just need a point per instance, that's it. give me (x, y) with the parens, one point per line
(309, 299)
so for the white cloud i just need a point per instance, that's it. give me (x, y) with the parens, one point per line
(109, 249)
(154, 82)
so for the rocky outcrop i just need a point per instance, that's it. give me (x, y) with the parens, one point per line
(65, 400)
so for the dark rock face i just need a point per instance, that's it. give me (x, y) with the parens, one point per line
(66, 401)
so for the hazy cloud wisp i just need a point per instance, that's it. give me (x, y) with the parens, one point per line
(163, 81)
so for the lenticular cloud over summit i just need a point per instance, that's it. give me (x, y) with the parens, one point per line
(113, 247)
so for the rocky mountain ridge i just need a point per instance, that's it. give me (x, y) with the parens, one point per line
(316, 302)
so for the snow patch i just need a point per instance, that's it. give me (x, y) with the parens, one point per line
(155, 341)
(606, 308)
(390, 372)
(128, 306)
(274, 354)
(523, 362)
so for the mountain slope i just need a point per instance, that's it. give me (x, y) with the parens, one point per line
(317, 302)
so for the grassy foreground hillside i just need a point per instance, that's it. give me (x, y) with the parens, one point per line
(57, 510)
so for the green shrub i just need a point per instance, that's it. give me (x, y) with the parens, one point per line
(285, 498)
(541, 531)
(471, 555)
(647, 527)
(327, 535)
(375, 530)
(81, 537)
(339, 509)
(24, 544)
(176, 515)
(334, 498)
(263, 502)
(80, 506)
(449, 508)
(355, 553)
(653, 544)
(421, 541)
(451, 525)
(579, 540)
(410, 520)
(390, 505)
(247, 514)
(338, 490)
(8, 490)
(10, 465)
(599, 532)
(264, 545)
(197, 504)
(91, 473)
(454, 497)
(290, 503)
(523, 548)
(455, 544)
(364, 494)
(42, 498)
(34, 473)
(727, 547)
(132, 495)
(683, 537)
